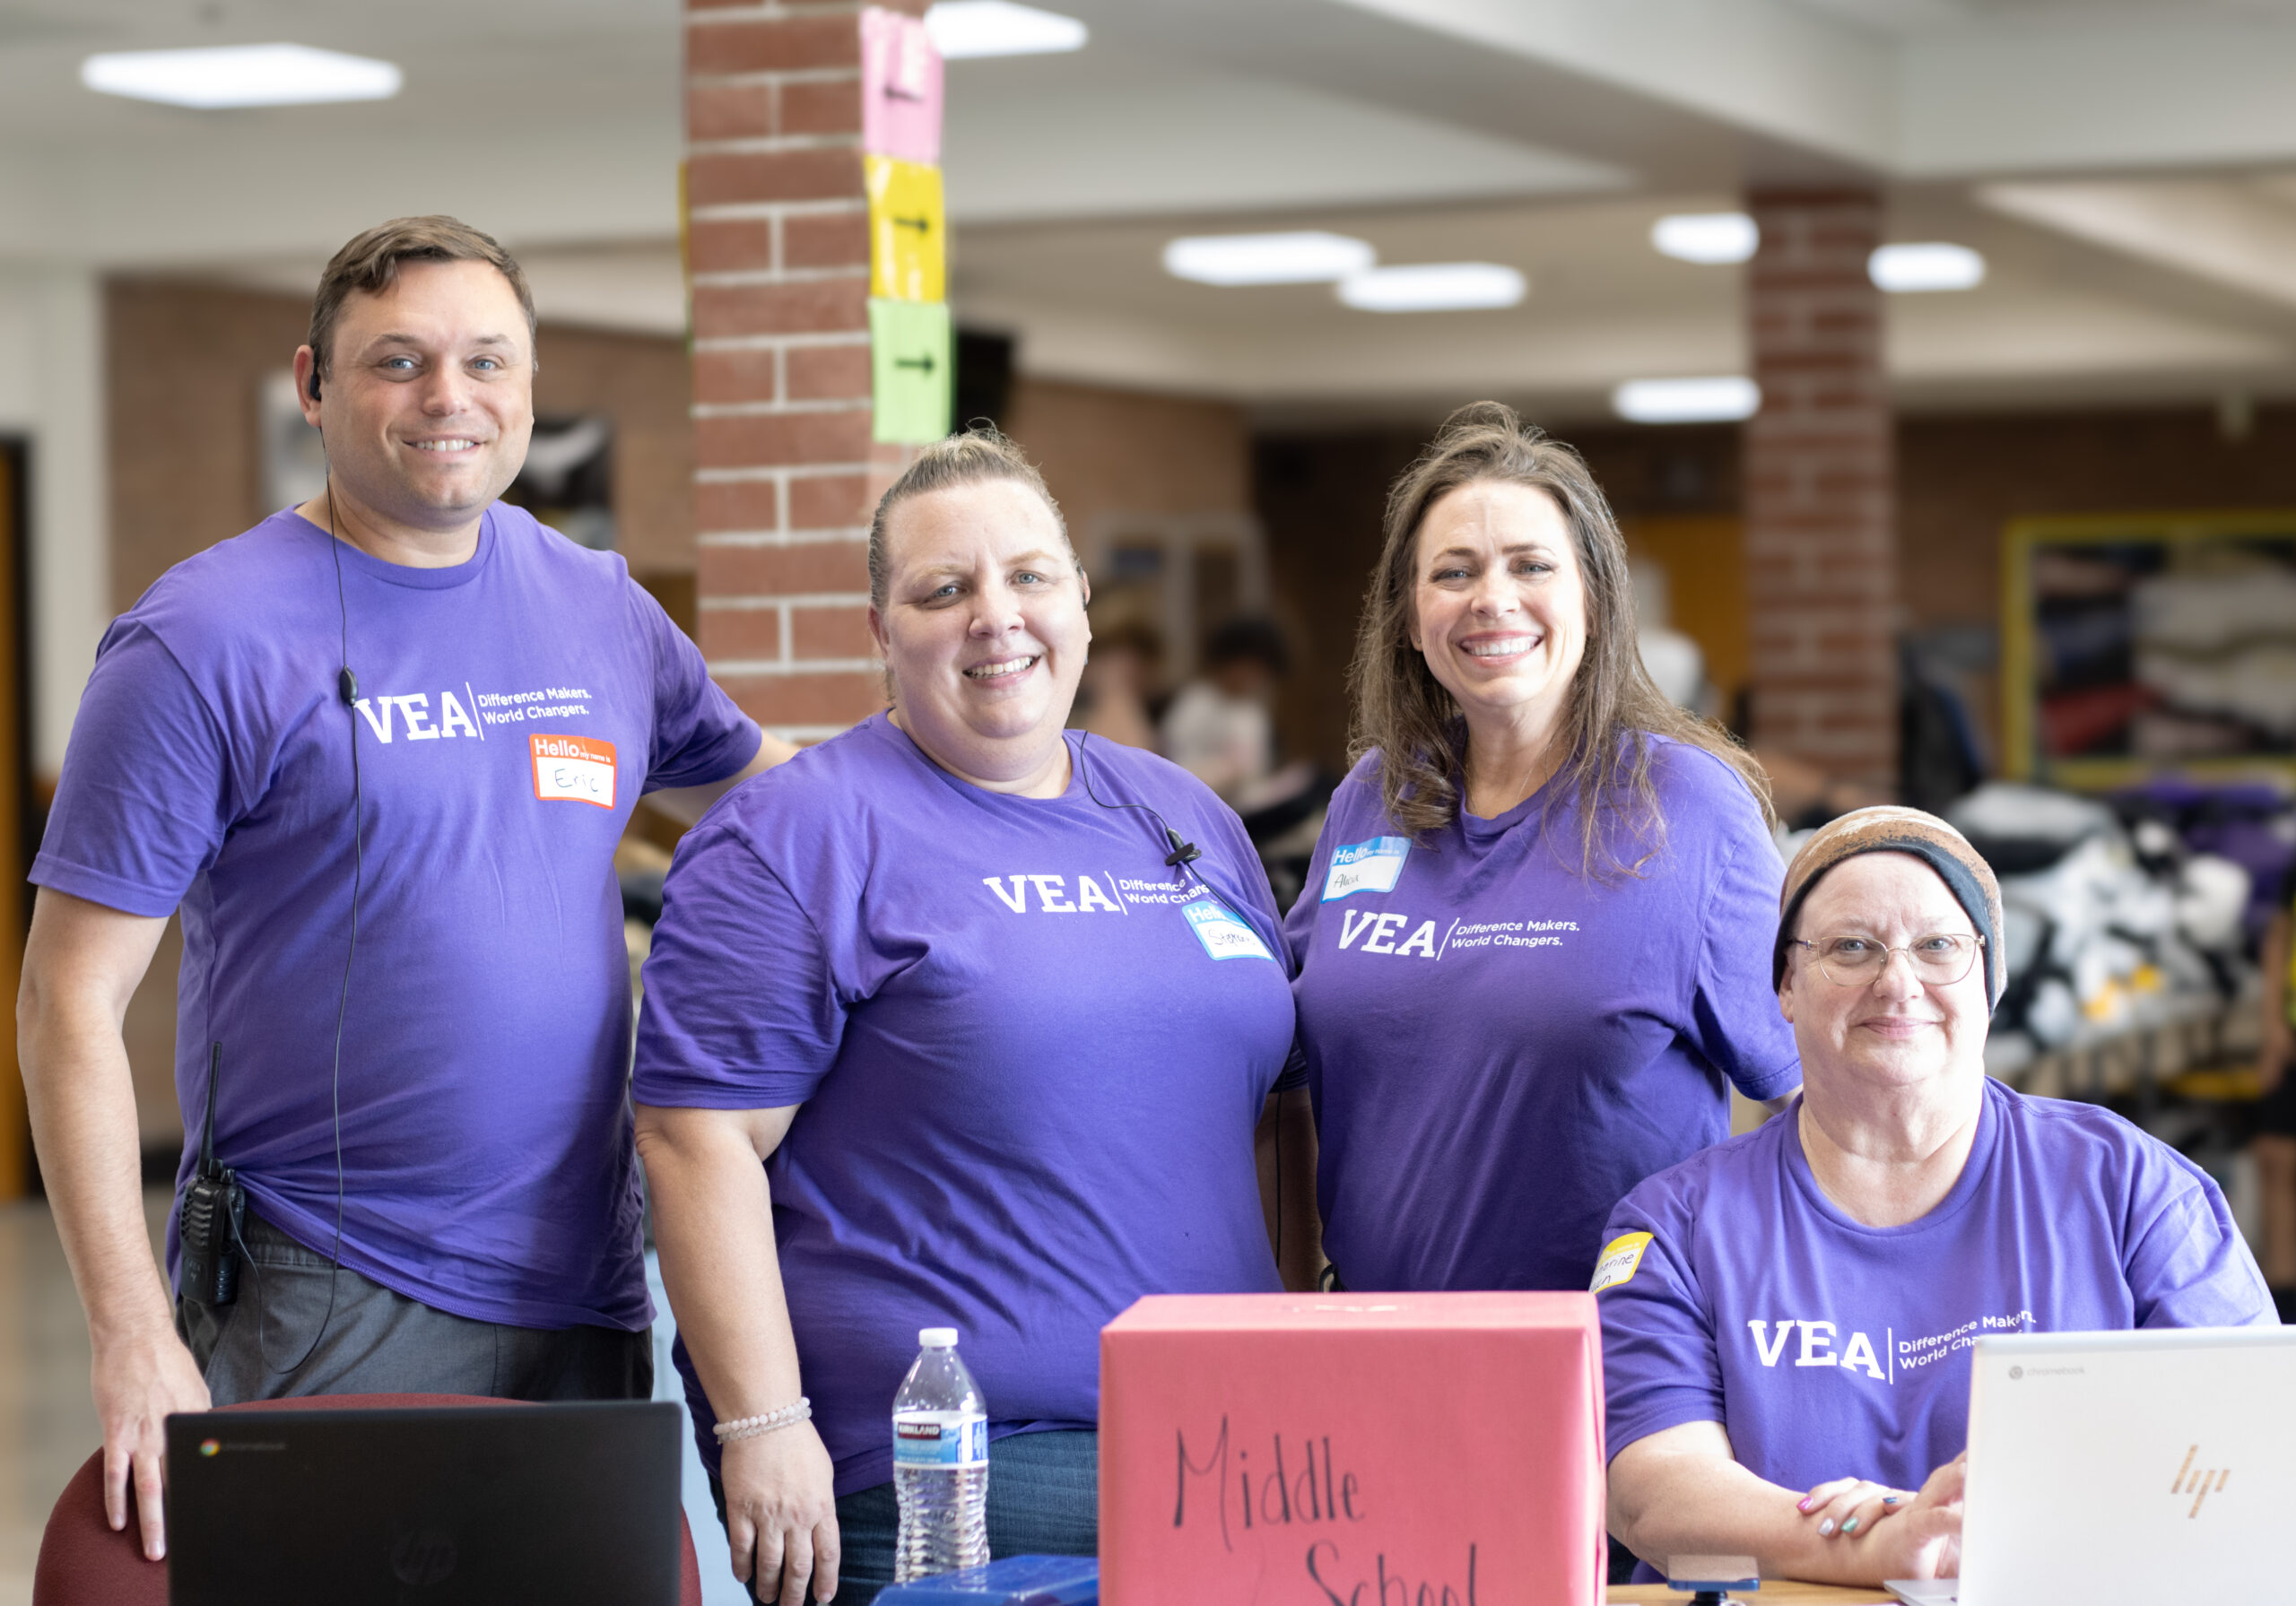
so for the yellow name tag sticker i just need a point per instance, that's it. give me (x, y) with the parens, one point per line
(1621, 1258)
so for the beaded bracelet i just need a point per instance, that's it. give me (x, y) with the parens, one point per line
(788, 1415)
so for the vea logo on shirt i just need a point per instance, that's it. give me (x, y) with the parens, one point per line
(1052, 894)
(1372, 866)
(1822, 1344)
(1378, 933)
(408, 715)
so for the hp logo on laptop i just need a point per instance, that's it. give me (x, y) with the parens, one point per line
(423, 1556)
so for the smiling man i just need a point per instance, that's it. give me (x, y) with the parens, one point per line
(378, 750)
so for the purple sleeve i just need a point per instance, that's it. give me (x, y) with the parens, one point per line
(740, 1011)
(700, 736)
(1739, 1030)
(1660, 1367)
(2187, 1265)
(149, 789)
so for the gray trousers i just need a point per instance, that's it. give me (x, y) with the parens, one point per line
(376, 1341)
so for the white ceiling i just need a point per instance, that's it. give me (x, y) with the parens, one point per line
(2128, 168)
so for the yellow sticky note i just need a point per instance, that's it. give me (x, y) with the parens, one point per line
(908, 247)
(1621, 1258)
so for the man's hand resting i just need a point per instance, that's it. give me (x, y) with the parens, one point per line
(138, 1383)
(781, 1514)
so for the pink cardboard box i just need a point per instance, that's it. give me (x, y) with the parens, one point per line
(1363, 1450)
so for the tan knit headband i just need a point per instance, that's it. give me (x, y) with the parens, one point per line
(1890, 829)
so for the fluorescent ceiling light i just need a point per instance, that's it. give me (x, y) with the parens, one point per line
(1933, 265)
(1706, 235)
(970, 28)
(241, 75)
(1308, 257)
(1722, 398)
(1434, 287)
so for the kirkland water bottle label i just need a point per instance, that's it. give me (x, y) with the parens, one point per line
(940, 1439)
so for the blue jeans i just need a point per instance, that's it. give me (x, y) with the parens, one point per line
(1044, 1493)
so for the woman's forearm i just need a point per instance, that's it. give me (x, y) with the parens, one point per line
(713, 1225)
(1680, 1493)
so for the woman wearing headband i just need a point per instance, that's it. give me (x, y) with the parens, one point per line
(1786, 1317)
(998, 1009)
(1530, 945)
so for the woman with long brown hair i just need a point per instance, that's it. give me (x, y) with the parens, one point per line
(1532, 946)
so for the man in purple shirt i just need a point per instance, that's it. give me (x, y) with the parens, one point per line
(378, 750)
(1787, 1316)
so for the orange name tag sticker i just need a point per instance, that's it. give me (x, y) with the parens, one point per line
(573, 769)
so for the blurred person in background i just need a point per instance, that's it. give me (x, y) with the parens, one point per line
(1218, 727)
(2276, 1144)
(1118, 687)
(1531, 941)
(935, 1035)
(1904, 1199)
(314, 739)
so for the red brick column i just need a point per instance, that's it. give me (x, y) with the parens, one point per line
(1821, 489)
(786, 473)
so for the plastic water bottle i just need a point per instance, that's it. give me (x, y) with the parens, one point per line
(940, 1463)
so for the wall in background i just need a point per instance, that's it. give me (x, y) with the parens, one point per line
(185, 364)
(52, 396)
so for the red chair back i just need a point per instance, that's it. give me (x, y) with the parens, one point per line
(83, 1563)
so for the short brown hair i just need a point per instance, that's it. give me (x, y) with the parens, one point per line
(369, 265)
(982, 454)
(1404, 714)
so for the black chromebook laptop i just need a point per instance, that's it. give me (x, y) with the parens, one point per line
(459, 1505)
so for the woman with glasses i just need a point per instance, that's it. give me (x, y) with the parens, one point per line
(1786, 1317)
(1530, 946)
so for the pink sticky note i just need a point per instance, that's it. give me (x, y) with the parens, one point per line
(900, 87)
(1439, 1449)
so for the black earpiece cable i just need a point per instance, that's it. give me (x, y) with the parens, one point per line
(347, 689)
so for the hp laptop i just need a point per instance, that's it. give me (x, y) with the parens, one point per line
(576, 1505)
(2110, 1467)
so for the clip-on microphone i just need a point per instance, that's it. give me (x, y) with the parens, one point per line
(214, 1213)
(1183, 853)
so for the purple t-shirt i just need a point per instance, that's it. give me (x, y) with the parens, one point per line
(512, 708)
(1832, 1349)
(1500, 1046)
(1030, 1061)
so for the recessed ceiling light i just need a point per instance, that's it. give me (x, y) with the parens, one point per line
(1932, 264)
(232, 75)
(970, 28)
(1308, 257)
(1434, 287)
(1706, 235)
(1716, 399)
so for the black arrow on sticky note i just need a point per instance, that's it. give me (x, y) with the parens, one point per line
(923, 225)
(922, 365)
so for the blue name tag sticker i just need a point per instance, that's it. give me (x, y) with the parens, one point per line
(1223, 936)
(1372, 866)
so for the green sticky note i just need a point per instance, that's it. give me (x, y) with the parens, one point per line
(909, 369)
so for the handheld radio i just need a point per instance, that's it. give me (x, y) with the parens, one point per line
(214, 1212)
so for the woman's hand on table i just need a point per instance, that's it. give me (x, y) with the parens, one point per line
(1845, 1508)
(782, 1514)
(1922, 1539)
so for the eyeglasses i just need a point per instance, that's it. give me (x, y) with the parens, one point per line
(1940, 958)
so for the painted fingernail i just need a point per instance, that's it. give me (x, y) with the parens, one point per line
(1890, 1500)
(1825, 1528)
(1850, 1526)
(1803, 1504)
